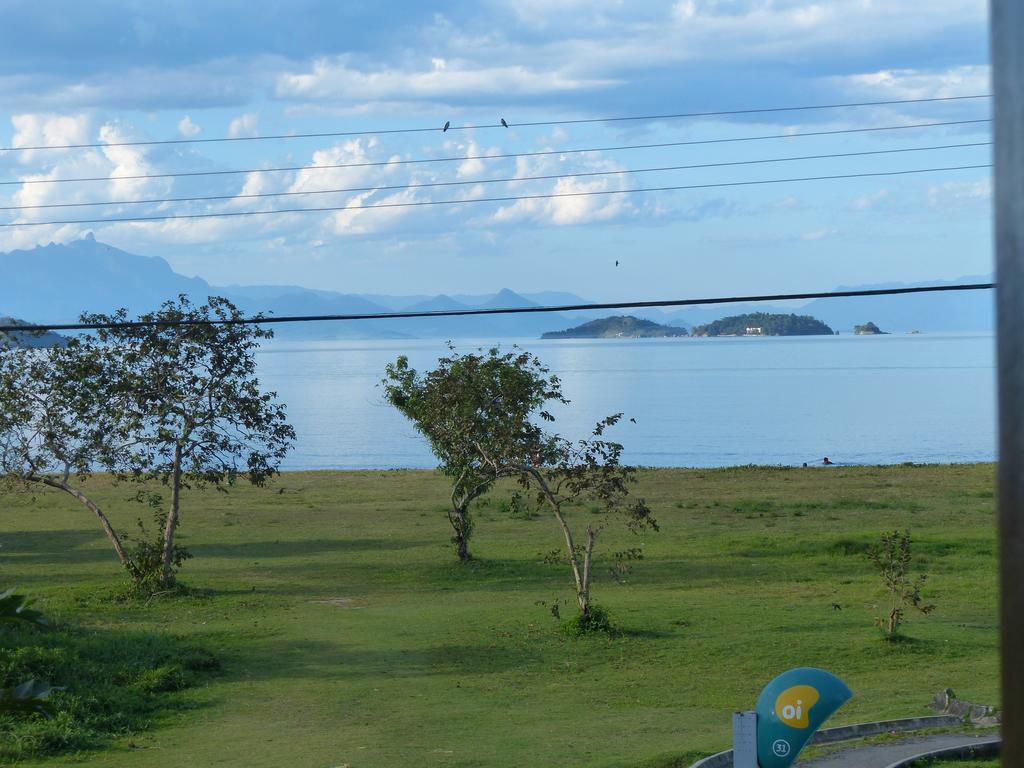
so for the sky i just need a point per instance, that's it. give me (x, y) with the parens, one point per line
(107, 72)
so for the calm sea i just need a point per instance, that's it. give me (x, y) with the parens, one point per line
(696, 402)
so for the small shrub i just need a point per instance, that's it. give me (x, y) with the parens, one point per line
(596, 621)
(145, 564)
(892, 558)
(169, 677)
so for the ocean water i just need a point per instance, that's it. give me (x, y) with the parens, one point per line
(696, 402)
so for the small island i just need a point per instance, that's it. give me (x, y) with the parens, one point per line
(621, 327)
(868, 329)
(764, 324)
(28, 338)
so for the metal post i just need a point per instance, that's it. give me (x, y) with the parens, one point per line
(1007, 27)
(744, 740)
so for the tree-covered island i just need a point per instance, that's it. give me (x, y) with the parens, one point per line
(868, 329)
(619, 327)
(764, 324)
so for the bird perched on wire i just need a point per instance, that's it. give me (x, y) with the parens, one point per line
(504, 123)
(447, 125)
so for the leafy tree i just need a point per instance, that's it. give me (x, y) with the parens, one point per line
(471, 406)
(193, 408)
(58, 421)
(481, 414)
(892, 558)
(564, 473)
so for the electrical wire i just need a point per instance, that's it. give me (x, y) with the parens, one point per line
(259, 319)
(580, 121)
(507, 155)
(501, 199)
(507, 180)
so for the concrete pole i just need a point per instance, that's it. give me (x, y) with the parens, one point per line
(1007, 27)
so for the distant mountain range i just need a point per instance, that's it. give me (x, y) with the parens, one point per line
(57, 282)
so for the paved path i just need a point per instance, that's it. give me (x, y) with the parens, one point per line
(885, 754)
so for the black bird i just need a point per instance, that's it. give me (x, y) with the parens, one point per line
(447, 125)
(616, 262)
(503, 122)
(632, 419)
(836, 607)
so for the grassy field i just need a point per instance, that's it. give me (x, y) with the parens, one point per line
(348, 635)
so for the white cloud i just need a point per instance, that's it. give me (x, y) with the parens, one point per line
(334, 79)
(958, 194)
(818, 234)
(866, 202)
(128, 161)
(469, 168)
(187, 128)
(243, 126)
(575, 200)
(918, 84)
(101, 162)
(48, 130)
(359, 219)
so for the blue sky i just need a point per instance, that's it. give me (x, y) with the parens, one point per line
(103, 72)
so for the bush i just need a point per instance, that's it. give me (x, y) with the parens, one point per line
(111, 684)
(145, 564)
(169, 677)
(596, 621)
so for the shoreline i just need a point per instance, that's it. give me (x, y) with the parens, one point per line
(653, 468)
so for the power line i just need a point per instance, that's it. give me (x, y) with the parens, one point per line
(503, 311)
(501, 199)
(382, 131)
(470, 182)
(508, 155)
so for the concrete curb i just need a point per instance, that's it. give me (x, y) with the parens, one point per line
(845, 732)
(979, 749)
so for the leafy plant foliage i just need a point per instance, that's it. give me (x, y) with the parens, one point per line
(482, 414)
(112, 683)
(892, 558)
(471, 406)
(175, 400)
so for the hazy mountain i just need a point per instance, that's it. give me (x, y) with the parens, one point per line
(292, 300)
(23, 339)
(57, 282)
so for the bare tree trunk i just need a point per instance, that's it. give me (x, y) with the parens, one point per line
(460, 524)
(172, 520)
(459, 518)
(588, 559)
(91, 506)
(581, 578)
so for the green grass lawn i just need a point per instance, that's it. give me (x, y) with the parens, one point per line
(349, 635)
